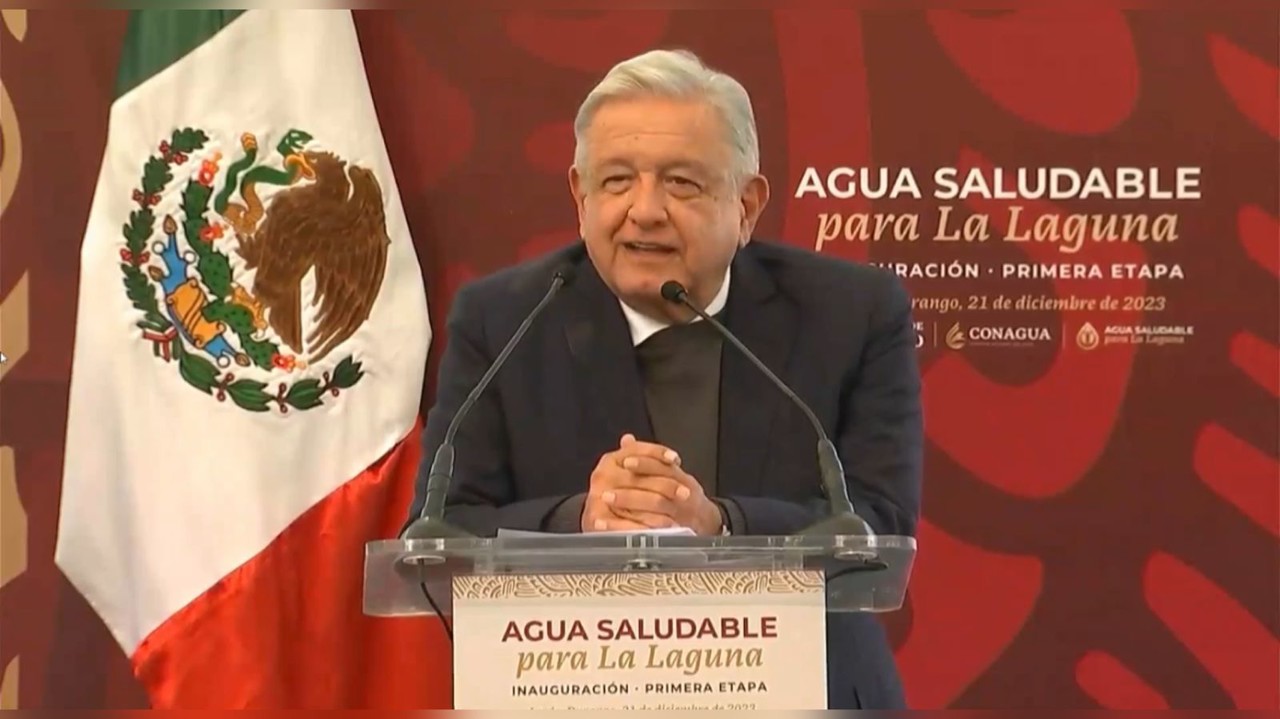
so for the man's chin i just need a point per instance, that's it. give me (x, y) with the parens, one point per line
(644, 284)
(639, 294)
(649, 286)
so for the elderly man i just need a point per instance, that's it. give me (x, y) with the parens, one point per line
(621, 410)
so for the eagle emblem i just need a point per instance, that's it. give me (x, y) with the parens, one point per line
(250, 271)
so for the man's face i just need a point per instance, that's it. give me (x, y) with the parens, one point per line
(657, 200)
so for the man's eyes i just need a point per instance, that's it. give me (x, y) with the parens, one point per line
(684, 184)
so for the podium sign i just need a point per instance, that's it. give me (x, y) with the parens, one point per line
(595, 621)
(725, 639)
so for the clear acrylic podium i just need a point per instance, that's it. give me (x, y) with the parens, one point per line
(415, 577)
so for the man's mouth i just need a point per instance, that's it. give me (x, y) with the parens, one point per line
(649, 247)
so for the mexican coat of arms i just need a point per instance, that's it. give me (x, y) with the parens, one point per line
(219, 282)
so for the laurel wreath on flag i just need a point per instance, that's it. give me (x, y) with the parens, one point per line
(216, 274)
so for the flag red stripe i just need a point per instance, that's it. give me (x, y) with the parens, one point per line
(286, 629)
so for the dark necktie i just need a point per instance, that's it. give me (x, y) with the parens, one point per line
(680, 367)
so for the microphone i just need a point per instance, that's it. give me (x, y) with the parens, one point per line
(843, 519)
(430, 523)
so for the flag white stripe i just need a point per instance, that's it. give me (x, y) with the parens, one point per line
(166, 490)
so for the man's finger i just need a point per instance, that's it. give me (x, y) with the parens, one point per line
(615, 523)
(654, 467)
(637, 448)
(648, 519)
(674, 488)
(639, 500)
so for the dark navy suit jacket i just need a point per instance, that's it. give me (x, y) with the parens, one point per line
(839, 333)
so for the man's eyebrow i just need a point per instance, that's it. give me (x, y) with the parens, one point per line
(613, 162)
(687, 165)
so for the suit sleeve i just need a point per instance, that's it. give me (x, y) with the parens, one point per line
(482, 497)
(880, 436)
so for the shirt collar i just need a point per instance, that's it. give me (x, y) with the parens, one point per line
(643, 327)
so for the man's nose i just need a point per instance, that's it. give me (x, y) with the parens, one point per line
(648, 203)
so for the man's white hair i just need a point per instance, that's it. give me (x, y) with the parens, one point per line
(677, 74)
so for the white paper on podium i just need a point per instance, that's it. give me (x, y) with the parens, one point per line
(569, 561)
(665, 532)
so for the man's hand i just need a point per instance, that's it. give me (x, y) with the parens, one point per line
(640, 486)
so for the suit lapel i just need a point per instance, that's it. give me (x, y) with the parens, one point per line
(766, 323)
(604, 358)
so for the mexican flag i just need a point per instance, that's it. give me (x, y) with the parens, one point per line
(251, 340)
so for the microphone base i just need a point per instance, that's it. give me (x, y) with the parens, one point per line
(432, 528)
(416, 565)
(847, 524)
(844, 524)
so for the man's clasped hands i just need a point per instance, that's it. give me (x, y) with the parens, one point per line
(640, 485)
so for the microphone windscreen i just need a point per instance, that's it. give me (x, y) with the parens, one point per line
(568, 269)
(673, 291)
(566, 273)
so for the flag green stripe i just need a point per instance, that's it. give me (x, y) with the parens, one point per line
(155, 39)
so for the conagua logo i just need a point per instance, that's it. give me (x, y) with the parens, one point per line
(231, 325)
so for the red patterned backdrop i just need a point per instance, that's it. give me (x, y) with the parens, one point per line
(1101, 499)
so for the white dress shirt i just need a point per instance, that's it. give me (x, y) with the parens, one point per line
(643, 327)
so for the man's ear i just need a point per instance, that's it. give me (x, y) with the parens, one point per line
(577, 188)
(753, 196)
